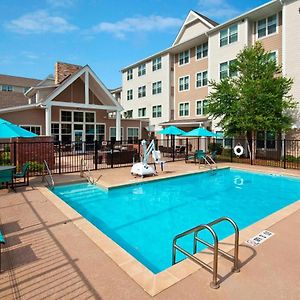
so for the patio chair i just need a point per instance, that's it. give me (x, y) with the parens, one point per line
(23, 174)
(200, 156)
(6, 177)
(2, 242)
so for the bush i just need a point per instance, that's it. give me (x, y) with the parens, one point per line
(34, 166)
(5, 158)
(292, 159)
(215, 147)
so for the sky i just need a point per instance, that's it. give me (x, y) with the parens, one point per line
(107, 35)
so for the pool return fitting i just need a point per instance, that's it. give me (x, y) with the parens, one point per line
(215, 247)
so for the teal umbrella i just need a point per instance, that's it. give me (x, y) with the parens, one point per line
(172, 130)
(9, 130)
(199, 132)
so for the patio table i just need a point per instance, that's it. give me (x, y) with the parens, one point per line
(7, 175)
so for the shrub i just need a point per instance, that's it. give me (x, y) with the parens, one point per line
(215, 147)
(34, 166)
(5, 158)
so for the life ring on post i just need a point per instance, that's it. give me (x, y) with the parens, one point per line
(238, 150)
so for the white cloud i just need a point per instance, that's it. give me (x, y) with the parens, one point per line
(29, 55)
(137, 24)
(217, 9)
(39, 22)
(60, 3)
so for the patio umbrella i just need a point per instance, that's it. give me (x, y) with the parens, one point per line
(200, 132)
(172, 130)
(9, 130)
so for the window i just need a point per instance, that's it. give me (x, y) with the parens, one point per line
(112, 133)
(156, 63)
(66, 136)
(156, 87)
(202, 51)
(184, 109)
(25, 89)
(142, 70)
(184, 57)
(201, 107)
(66, 116)
(128, 114)
(129, 74)
(156, 111)
(267, 26)
(229, 35)
(133, 135)
(89, 117)
(100, 132)
(266, 140)
(142, 112)
(78, 116)
(129, 94)
(55, 131)
(32, 128)
(142, 91)
(201, 79)
(225, 142)
(7, 88)
(225, 69)
(184, 83)
(273, 55)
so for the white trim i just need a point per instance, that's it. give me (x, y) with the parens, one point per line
(95, 137)
(48, 118)
(283, 38)
(32, 125)
(179, 83)
(109, 133)
(276, 52)
(20, 108)
(139, 131)
(203, 57)
(185, 116)
(184, 64)
(86, 88)
(202, 86)
(80, 105)
(156, 111)
(228, 35)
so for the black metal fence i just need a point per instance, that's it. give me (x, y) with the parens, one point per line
(67, 158)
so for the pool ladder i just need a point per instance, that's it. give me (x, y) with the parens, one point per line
(49, 173)
(215, 247)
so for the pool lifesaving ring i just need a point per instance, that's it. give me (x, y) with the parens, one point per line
(238, 150)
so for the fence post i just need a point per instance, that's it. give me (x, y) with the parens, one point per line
(231, 154)
(186, 149)
(96, 154)
(173, 147)
(112, 154)
(284, 153)
(15, 153)
(252, 151)
(59, 157)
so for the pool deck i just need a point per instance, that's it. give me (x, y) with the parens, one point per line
(48, 256)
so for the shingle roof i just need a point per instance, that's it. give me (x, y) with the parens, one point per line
(212, 22)
(11, 99)
(18, 81)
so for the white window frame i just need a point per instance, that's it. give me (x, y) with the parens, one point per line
(122, 132)
(143, 88)
(189, 56)
(139, 133)
(196, 48)
(95, 135)
(182, 77)
(228, 35)
(156, 87)
(202, 107)
(156, 106)
(142, 108)
(276, 55)
(7, 88)
(127, 96)
(32, 125)
(142, 70)
(129, 74)
(155, 64)
(266, 19)
(186, 102)
(202, 85)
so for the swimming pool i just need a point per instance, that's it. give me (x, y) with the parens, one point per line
(144, 218)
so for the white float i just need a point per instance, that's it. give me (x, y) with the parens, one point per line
(238, 150)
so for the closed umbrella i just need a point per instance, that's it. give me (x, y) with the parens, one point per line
(9, 130)
(172, 130)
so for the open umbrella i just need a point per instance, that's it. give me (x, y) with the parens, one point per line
(172, 130)
(9, 130)
(199, 132)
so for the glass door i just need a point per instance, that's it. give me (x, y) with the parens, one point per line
(78, 138)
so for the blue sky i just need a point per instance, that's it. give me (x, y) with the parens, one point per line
(107, 35)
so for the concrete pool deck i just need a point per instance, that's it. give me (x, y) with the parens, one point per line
(47, 256)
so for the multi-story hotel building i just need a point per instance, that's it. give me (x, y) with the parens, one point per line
(175, 92)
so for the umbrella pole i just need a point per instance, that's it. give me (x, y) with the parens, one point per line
(173, 147)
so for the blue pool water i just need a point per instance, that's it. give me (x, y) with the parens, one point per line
(144, 218)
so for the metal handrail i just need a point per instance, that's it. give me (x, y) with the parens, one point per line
(89, 176)
(215, 247)
(50, 183)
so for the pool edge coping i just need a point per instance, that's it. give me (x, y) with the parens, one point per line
(152, 283)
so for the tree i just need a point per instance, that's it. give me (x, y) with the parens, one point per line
(256, 99)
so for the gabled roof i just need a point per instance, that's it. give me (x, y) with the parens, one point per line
(18, 81)
(192, 17)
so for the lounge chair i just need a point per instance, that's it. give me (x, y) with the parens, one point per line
(23, 174)
(2, 242)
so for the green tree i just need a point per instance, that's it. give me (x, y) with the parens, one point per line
(256, 99)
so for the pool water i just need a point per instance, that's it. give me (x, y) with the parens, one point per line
(144, 218)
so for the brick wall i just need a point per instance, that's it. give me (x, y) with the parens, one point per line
(63, 70)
